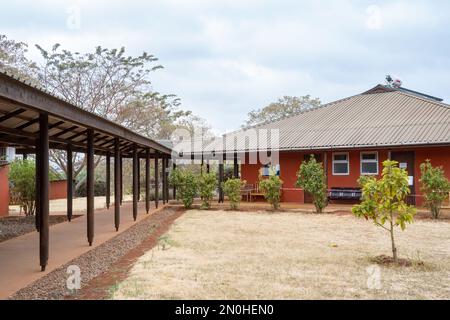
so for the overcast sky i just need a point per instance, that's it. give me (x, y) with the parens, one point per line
(224, 58)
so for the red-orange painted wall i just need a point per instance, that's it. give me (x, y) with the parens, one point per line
(4, 191)
(58, 190)
(290, 162)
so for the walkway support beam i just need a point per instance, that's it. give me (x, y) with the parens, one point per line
(221, 169)
(38, 186)
(108, 180)
(147, 181)
(174, 190)
(90, 186)
(163, 176)
(138, 179)
(43, 190)
(117, 187)
(69, 182)
(236, 165)
(156, 180)
(121, 179)
(167, 178)
(135, 183)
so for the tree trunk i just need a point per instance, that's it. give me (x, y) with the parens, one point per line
(394, 249)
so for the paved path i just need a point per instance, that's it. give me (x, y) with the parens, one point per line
(19, 257)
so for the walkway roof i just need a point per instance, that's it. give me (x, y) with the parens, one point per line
(21, 103)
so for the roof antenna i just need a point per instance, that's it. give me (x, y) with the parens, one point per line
(393, 82)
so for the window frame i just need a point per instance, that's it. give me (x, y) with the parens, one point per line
(341, 161)
(377, 161)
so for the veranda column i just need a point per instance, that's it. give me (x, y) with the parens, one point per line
(90, 186)
(69, 182)
(156, 180)
(43, 190)
(147, 180)
(108, 180)
(117, 187)
(135, 183)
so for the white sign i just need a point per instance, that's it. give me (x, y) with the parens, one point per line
(403, 165)
(411, 180)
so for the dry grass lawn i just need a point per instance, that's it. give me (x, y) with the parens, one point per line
(261, 255)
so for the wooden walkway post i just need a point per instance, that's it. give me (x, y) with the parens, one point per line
(135, 183)
(90, 186)
(43, 190)
(108, 180)
(117, 187)
(156, 180)
(147, 180)
(69, 182)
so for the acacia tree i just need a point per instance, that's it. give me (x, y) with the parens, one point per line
(383, 201)
(311, 178)
(283, 107)
(435, 187)
(13, 59)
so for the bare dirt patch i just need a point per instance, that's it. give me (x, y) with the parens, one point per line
(245, 255)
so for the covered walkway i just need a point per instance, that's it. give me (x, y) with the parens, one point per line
(67, 241)
(35, 121)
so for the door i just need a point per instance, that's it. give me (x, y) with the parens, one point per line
(406, 161)
(306, 157)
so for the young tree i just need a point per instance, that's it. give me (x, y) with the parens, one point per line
(383, 201)
(207, 184)
(271, 188)
(283, 107)
(187, 185)
(435, 187)
(311, 178)
(23, 184)
(232, 189)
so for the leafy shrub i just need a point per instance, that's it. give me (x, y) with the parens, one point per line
(383, 200)
(271, 187)
(232, 189)
(311, 178)
(187, 185)
(22, 177)
(207, 184)
(435, 187)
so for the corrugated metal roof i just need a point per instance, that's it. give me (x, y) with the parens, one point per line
(389, 118)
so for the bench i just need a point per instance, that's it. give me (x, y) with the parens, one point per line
(345, 194)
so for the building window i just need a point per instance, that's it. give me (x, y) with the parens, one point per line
(341, 165)
(369, 163)
(270, 170)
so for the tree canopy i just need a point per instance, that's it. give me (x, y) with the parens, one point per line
(283, 107)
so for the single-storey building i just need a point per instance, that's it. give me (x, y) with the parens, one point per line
(351, 137)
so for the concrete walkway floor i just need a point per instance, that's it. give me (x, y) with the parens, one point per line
(19, 257)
